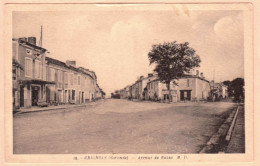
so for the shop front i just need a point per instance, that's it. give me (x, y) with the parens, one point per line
(32, 92)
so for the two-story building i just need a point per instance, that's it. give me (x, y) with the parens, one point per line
(186, 88)
(41, 79)
(32, 80)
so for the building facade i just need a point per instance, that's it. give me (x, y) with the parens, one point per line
(187, 88)
(31, 81)
(47, 80)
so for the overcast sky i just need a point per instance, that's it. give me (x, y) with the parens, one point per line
(115, 43)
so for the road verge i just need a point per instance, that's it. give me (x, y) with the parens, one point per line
(222, 137)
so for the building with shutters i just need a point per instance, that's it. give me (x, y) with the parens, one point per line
(41, 80)
(31, 82)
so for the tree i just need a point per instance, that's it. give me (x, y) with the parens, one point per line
(172, 61)
(229, 89)
(237, 86)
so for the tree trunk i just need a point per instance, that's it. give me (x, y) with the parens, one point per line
(169, 90)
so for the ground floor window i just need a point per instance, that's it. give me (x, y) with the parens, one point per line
(166, 97)
(73, 95)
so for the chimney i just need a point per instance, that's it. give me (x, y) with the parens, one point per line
(201, 75)
(23, 39)
(71, 63)
(141, 77)
(212, 83)
(150, 74)
(32, 40)
(197, 72)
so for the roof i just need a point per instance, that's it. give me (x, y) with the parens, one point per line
(22, 42)
(186, 76)
(56, 62)
(88, 71)
(60, 63)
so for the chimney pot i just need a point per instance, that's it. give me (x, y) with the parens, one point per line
(197, 72)
(23, 39)
(201, 75)
(71, 63)
(32, 40)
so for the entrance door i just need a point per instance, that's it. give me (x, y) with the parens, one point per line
(35, 95)
(174, 98)
(59, 97)
(21, 96)
(185, 95)
(48, 95)
(166, 97)
(65, 96)
(82, 97)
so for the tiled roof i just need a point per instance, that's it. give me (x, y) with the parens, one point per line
(56, 62)
(32, 45)
(60, 63)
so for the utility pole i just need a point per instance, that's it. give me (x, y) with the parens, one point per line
(40, 41)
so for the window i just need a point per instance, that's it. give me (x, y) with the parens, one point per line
(65, 78)
(71, 79)
(75, 79)
(28, 67)
(59, 76)
(52, 74)
(73, 95)
(37, 73)
(83, 81)
(78, 80)
(188, 82)
(28, 52)
(14, 73)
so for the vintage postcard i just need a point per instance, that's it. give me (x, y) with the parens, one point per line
(96, 82)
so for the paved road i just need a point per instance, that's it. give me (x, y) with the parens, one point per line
(119, 126)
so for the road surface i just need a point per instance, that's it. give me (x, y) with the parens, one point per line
(119, 126)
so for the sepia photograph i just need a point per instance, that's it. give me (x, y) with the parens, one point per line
(107, 82)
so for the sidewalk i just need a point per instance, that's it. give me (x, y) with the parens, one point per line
(64, 106)
(237, 141)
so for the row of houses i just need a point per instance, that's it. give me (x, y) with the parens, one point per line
(190, 87)
(39, 79)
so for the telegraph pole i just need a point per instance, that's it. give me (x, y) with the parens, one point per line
(40, 41)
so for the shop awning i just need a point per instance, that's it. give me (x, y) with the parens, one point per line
(33, 81)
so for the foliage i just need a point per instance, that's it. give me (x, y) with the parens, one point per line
(237, 86)
(172, 60)
(236, 89)
(229, 89)
(15, 63)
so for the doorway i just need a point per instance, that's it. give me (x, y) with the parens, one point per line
(82, 97)
(21, 96)
(185, 95)
(35, 95)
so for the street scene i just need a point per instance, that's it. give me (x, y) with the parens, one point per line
(128, 81)
(120, 126)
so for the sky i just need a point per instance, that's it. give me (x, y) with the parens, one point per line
(115, 41)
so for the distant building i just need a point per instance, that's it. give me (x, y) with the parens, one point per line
(218, 90)
(190, 87)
